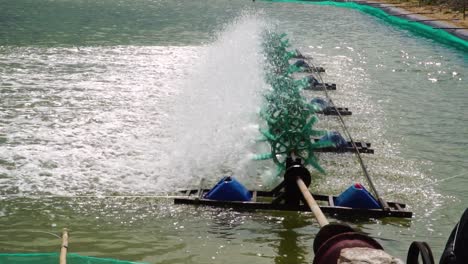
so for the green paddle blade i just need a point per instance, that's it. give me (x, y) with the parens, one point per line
(279, 170)
(315, 164)
(263, 156)
(322, 144)
(261, 139)
(288, 115)
(308, 126)
(267, 134)
(318, 133)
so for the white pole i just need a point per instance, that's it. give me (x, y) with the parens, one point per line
(314, 207)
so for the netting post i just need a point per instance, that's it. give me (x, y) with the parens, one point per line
(64, 248)
(464, 9)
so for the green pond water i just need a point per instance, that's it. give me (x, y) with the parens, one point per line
(144, 97)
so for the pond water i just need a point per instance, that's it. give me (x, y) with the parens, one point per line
(140, 98)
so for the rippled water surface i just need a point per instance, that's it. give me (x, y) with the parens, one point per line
(114, 98)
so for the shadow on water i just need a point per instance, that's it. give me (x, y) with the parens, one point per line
(290, 250)
(362, 221)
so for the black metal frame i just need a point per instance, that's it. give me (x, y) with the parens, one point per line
(195, 197)
(321, 86)
(335, 110)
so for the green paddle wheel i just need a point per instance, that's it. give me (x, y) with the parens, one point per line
(289, 118)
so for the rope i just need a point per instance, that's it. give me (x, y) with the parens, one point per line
(345, 128)
(49, 233)
(433, 183)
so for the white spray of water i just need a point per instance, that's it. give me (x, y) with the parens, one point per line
(138, 120)
(215, 121)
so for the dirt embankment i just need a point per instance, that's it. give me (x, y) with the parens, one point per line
(435, 11)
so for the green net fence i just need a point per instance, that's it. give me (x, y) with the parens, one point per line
(53, 258)
(438, 35)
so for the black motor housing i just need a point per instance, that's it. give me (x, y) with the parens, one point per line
(456, 249)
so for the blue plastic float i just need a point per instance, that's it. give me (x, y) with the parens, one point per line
(229, 189)
(336, 138)
(320, 102)
(357, 196)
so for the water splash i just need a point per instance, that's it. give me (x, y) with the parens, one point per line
(86, 120)
(215, 116)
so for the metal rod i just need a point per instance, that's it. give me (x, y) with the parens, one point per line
(200, 189)
(382, 202)
(314, 207)
(64, 248)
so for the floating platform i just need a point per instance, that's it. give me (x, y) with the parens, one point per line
(363, 147)
(319, 87)
(344, 111)
(315, 69)
(305, 67)
(271, 200)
